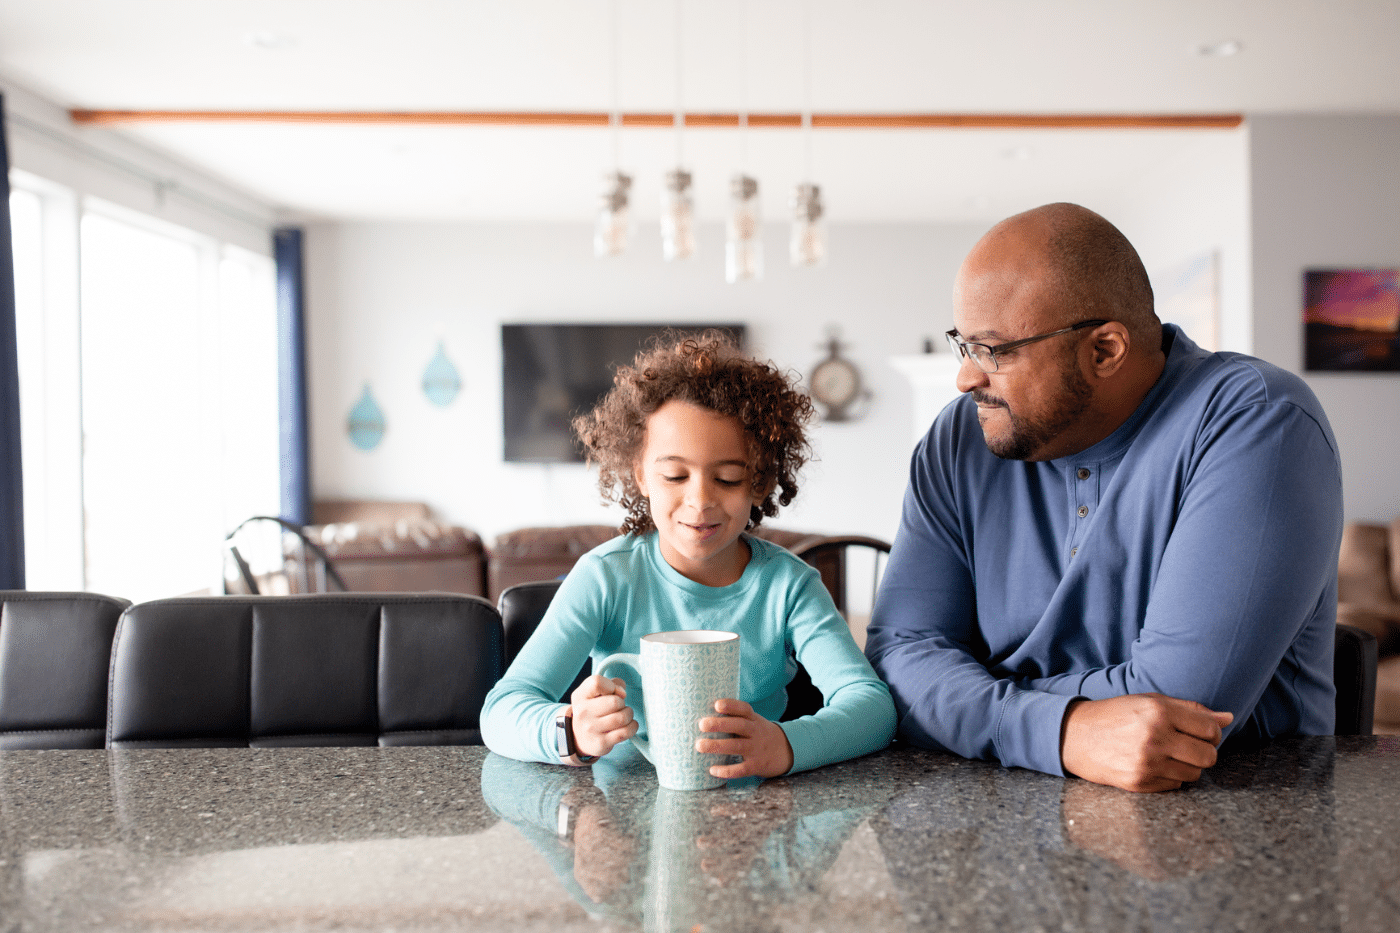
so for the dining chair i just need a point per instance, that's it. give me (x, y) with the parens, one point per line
(54, 653)
(302, 670)
(1354, 673)
(831, 555)
(522, 606)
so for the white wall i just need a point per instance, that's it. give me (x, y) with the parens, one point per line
(1326, 193)
(380, 296)
(1200, 203)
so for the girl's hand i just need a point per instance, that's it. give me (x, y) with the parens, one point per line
(602, 718)
(761, 743)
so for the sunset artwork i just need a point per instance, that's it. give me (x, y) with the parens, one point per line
(1351, 319)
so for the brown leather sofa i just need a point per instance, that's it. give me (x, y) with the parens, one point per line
(380, 546)
(395, 547)
(1368, 597)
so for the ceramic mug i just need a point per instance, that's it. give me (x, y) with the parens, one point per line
(682, 675)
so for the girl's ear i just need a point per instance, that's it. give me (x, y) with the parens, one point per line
(639, 475)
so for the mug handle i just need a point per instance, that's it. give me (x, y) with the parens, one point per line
(634, 662)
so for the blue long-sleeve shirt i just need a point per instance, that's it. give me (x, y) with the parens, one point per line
(624, 589)
(1193, 553)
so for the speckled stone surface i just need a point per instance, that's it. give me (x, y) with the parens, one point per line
(1298, 836)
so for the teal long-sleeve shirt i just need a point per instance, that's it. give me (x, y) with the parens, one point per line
(624, 589)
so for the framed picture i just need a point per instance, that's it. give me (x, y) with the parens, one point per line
(1351, 320)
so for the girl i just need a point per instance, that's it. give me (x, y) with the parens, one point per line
(698, 443)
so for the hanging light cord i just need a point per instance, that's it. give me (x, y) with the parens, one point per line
(807, 86)
(680, 106)
(743, 89)
(615, 118)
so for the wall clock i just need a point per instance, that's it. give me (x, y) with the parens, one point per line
(835, 384)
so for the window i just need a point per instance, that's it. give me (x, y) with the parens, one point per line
(173, 382)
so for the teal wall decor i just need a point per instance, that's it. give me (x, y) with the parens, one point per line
(366, 423)
(441, 383)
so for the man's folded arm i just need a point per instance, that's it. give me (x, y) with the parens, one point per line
(921, 642)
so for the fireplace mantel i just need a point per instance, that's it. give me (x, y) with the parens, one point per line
(933, 376)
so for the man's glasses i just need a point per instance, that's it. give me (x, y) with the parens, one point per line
(986, 356)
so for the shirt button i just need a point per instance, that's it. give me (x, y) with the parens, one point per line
(1083, 510)
(1073, 551)
(1083, 473)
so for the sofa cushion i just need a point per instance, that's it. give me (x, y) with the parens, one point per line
(1364, 565)
(530, 554)
(409, 556)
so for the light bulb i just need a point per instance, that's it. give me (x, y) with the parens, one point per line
(743, 243)
(614, 219)
(677, 217)
(807, 244)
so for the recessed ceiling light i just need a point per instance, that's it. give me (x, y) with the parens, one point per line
(1222, 49)
(1018, 153)
(272, 41)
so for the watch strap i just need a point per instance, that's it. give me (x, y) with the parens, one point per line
(564, 740)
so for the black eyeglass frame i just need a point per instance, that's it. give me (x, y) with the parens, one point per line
(960, 346)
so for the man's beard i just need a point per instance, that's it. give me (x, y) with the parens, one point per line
(1028, 436)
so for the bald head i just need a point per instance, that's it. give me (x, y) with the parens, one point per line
(1088, 268)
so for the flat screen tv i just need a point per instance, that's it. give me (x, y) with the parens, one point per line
(552, 372)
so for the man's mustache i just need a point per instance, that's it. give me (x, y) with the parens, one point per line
(984, 398)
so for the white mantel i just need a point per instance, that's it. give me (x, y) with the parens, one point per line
(933, 376)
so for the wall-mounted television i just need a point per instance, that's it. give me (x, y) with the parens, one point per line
(552, 372)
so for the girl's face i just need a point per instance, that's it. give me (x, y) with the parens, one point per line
(694, 469)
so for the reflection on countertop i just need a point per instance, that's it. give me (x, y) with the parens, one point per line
(1299, 835)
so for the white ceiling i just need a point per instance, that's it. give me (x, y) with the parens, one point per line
(876, 56)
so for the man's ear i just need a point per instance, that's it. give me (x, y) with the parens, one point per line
(1110, 346)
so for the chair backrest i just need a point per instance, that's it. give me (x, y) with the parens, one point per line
(522, 606)
(327, 669)
(829, 553)
(55, 649)
(1354, 673)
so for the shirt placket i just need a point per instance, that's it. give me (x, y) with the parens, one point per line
(1083, 503)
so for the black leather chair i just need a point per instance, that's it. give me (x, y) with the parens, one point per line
(325, 669)
(1354, 673)
(55, 649)
(522, 607)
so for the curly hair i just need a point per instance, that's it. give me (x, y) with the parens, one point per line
(710, 371)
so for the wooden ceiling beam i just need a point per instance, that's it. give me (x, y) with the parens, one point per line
(862, 121)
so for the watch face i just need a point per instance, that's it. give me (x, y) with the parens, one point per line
(835, 383)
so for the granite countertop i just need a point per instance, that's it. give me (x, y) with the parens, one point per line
(1301, 835)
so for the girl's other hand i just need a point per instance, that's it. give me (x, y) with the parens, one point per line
(761, 743)
(602, 718)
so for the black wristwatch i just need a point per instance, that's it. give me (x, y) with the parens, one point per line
(564, 740)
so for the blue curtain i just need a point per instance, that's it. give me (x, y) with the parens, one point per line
(293, 448)
(11, 482)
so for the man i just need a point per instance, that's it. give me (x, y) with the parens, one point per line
(1116, 548)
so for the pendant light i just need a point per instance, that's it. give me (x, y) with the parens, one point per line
(614, 224)
(743, 239)
(807, 243)
(677, 200)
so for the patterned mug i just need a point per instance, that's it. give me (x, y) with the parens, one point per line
(682, 675)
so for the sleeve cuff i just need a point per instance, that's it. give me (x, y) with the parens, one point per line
(1028, 730)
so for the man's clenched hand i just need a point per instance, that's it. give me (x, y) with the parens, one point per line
(1140, 742)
